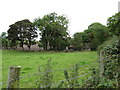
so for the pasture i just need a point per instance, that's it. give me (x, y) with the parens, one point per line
(30, 61)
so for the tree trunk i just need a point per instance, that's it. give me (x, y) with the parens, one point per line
(22, 46)
(48, 45)
(29, 45)
(102, 63)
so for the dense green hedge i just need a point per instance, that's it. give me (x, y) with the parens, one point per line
(111, 74)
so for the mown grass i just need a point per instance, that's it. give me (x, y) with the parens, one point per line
(29, 62)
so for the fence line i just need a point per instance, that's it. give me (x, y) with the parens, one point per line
(67, 79)
(84, 81)
(45, 72)
(45, 83)
(56, 70)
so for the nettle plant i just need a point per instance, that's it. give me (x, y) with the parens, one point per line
(44, 80)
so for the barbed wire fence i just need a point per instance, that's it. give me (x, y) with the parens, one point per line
(56, 83)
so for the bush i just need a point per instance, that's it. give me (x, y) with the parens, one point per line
(110, 41)
(45, 79)
(111, 72)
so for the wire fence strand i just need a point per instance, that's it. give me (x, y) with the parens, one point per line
(56, 70)
(45, 72)
(84, 81)
(66, 80)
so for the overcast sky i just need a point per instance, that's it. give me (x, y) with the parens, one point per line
(81, 13)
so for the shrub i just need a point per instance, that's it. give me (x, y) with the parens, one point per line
(111, 72)
(110, 41)
(45, 79)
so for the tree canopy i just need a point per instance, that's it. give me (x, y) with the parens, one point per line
(91, 38)
(21, 31)
(53, 31)
(113, 24)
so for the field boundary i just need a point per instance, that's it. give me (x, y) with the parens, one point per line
(30, 75)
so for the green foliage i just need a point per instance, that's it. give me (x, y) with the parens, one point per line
(97, 34)
(77, 41)
(45, 79)
(111, 74)
(32, 60)
(94, 80)
(53, 31)
(71, 77)
(113, 24)
(110, 41)
(3, 35)
(12, 35)
(112, 60)
(22, 31)
(4, 40)
(91, 38)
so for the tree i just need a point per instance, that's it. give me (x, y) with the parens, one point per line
(22, 31)
(30, 33)
(53, 31)
(13, 35)
(77, 41)
(94, 36)
(99, 34)
(4, 40)
(113, 24)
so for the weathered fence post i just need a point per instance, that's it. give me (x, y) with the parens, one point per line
(14, 72)
(102, 63)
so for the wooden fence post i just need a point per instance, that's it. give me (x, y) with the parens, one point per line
(102, 63)
(14, 72)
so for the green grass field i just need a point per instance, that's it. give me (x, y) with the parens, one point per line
(29, 62)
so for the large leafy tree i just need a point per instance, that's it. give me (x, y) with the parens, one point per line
(22, 31)
(94, 36)
(99, 33)
(113, 24)
(53, 31)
